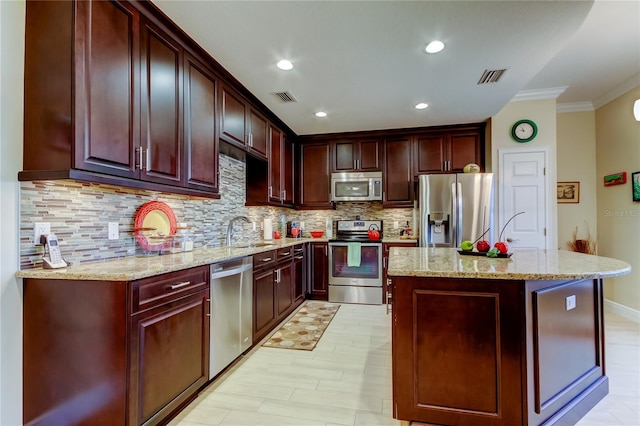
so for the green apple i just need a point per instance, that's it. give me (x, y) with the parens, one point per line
(466, 245)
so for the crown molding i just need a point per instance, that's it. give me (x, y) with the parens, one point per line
(575, 107)
(618, 91)
(538, 94)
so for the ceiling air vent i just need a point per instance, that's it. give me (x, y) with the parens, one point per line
(285, 97)
(491, 76)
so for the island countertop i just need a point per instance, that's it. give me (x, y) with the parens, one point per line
(524, 264)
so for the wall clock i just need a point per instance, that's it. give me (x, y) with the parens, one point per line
(524, 131)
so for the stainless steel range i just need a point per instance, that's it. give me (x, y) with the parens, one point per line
(355, 262)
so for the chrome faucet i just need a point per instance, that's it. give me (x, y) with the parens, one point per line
(230, 227)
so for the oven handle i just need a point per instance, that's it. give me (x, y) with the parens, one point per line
(341, 244)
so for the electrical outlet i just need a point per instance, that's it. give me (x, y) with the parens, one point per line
(395, 224)
(114, 232)
(40, 228)
(570, 302)
(302, 224)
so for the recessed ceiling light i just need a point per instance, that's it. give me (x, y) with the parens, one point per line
(421, 105)
(321, 114)
(284, 65)
(434, 47)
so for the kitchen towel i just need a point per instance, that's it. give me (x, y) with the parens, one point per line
(353, 254)
(267, 227)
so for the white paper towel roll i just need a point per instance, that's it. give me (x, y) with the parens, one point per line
(267, 227)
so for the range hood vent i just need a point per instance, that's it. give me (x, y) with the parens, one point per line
(285, 97)
(491, 76)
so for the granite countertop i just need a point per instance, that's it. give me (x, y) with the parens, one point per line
(137, 267)
(524, 264)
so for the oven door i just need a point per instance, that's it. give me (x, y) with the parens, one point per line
(368, 274)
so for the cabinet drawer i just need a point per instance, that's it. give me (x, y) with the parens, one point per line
(284, 253)
(154, 291)
(263, 259)
(298, 252)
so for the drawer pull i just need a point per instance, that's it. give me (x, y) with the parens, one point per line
(267, 259)
(298, 257)
(285, 254)
(180, 285)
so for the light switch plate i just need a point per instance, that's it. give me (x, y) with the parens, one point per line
(395, 224)
(570, 302)
(40, 228)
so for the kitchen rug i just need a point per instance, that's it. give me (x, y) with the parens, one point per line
(304, 329)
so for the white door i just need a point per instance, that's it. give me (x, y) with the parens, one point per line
(523, 188)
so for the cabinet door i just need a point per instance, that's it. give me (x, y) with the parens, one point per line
(200, 136)
(161, 106)
(398, 175)
(430, 154)
(169, 357)
(369, 155)
(344, 156)
(264, 311)
(315, 177)
(288, 167)
(258, 134)
(106, 88)
(275, 165)
(320, 271)
(284, 289)
(464, 149)
(232, 117)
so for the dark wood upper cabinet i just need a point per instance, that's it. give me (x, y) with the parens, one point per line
(398, 173)
(288, 172)
(161, 105)
(356, 155)
(315, 176)
(275, 164)
(448, 151)
(200, 130)
(241, 125)
(104, 98)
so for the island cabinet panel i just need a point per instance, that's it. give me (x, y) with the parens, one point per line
(566, 363)
(455, 361)
(497, 352)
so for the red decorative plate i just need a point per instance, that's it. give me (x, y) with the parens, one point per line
(154, 221)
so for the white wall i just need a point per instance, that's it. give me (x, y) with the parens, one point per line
(543, 113)
(12, 15)
(576, 162)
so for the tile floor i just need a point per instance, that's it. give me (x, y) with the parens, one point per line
(346, 380)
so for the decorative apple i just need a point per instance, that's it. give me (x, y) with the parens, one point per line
(466, 245)
(502, 247)
(483, 246)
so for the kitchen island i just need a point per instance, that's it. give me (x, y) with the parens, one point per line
(498, 341)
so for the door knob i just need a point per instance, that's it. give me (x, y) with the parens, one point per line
(510, 240)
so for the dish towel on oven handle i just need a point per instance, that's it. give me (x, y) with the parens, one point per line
(353, 254)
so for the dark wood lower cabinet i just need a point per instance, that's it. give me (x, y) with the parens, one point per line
(319, 275)
(496, 352)
(264, 309)
(114, 353)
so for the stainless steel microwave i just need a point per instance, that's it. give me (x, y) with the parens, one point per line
(356, 186)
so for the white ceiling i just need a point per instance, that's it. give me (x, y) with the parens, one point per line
(363, 62)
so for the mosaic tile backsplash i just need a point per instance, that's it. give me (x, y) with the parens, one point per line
(79, 214)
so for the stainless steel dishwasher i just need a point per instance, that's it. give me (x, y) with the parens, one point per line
(231, 312)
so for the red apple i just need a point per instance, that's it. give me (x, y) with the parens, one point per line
(502, 247)
(483, 246)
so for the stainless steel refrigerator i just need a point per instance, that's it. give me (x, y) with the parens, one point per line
(454, 208)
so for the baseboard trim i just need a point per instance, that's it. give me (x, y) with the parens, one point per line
(622, 310)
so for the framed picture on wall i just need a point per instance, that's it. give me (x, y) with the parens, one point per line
(568, 192)
(635, 185)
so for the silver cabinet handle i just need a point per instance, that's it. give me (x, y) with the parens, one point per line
(299, 257)
(284, 194)
(139, 151)
(267, 259)
(286, 254)
(148, 155)
(180, 285)
(270, 191)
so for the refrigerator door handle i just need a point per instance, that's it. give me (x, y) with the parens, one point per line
(457, 234)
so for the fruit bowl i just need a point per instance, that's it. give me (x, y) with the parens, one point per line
(316, 234)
